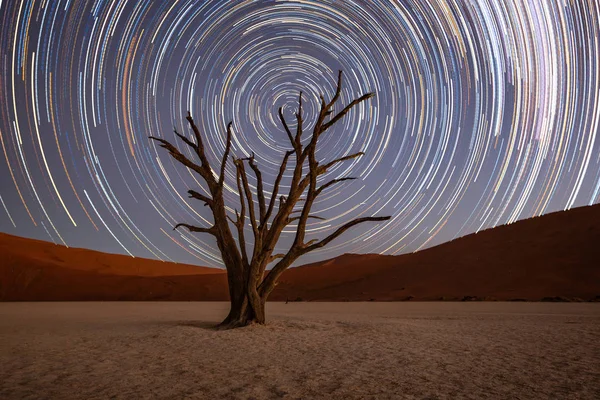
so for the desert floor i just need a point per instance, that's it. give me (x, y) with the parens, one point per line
(307, 351)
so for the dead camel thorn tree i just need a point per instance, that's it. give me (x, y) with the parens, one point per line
(249, 281)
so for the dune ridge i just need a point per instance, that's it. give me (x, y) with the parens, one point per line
(553, 257)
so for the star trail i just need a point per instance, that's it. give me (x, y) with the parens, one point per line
(486, 112)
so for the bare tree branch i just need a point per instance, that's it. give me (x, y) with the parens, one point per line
(270, 280)
(239, 163)
(192, 228)
(199, 144)
(323, 102)
(276, 187)
(241, 218)
(325, 167)
(225, 155)
(287, 130)
(275, 257)
(341, 230)
(259, 187)
(291, 220)
(287, 203)
(310, 196)
(207, 200)
(310, 242)
(333, 182)
(176, 154)
(337, 91)
(186, 140)
(339, 115)
(299, 121)
(233, 221)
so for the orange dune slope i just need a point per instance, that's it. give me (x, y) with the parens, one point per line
(556, 255)
(553, 256)
(36, 270)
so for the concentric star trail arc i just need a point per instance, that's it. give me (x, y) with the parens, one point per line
(486, 112)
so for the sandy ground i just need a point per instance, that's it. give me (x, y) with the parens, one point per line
(307, 351)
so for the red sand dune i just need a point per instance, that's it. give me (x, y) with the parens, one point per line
(554, 255)
(37, 270)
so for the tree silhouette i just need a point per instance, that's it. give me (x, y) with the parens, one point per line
(250, 283)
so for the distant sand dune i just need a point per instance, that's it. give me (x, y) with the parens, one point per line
(556, 255)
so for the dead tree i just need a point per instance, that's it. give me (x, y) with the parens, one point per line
(250, 283)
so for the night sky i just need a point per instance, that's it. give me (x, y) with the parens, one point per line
(486, 112)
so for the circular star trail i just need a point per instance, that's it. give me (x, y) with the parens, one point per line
(486, 112)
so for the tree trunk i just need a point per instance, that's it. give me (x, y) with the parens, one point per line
(243, 311)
